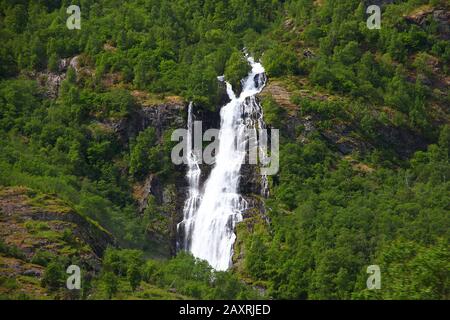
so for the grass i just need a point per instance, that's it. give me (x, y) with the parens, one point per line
(36, 226)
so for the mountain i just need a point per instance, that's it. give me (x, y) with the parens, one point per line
(86, 176)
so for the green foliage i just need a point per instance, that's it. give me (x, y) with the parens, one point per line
(256, 257)
(43, 258)
(184, 274)
(273, 113)
(236, 69)
(18, 101)
(134, 275)
(120, 261)
(328, 226)
(145, 154)
(195, 278)
(52, 64)
(328, 219)
(118, 103)
(226, 286)
(280, 61)
(109, 284)
(11, 251)
(415, 271)
(54, 276)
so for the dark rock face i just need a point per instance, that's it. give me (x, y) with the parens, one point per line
(152, 186)
(169, 193)
(161, 117)
(250, 181)
(51, 81)
(441, 16)
(256, 207)
(443, 19)
(223, 95)
(405, 142)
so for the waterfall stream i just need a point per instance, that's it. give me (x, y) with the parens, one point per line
(210, 215)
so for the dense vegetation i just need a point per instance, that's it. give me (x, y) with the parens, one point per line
(335, 224)
(330, 218)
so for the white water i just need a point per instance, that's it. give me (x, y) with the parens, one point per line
(210, 217)
(193, 177)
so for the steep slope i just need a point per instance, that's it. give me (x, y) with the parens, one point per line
(86, 117)
(37, 229)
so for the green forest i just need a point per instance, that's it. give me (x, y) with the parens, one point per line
(364, 147)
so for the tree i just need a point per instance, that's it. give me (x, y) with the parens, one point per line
(255, 258)
(118, 103)
(16, 18)
(226, 286)
(280, 61)
(134, 275)
(53, 276)
(110, 283)
(52, 64)
(144, 157)
(236, 69)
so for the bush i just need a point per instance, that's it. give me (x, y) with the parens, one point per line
(280, 61)
(144, 156)
(236, 69)
(273, 113)
(120, 261)
(134, 275)
(118, 103)
(109, 282)
(42, 257)
(11, 251)
(54, 276)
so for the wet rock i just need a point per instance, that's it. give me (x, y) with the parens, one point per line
(223, 95)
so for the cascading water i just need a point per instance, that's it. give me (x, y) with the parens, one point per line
(193, 177)
(210, 218)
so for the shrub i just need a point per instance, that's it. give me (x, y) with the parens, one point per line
(280, 61)
(236, 69)
(54, 276)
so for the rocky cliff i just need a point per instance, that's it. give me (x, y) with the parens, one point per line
(36, 229)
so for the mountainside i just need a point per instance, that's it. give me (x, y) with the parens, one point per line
(87, 179)
(37, 230)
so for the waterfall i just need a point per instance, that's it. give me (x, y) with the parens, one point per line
(193, 177)
(210, 217)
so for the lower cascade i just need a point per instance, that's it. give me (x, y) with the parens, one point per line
(212, 212)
